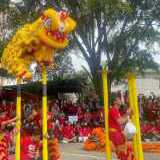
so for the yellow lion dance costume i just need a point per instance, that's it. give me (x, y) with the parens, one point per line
(37, 42)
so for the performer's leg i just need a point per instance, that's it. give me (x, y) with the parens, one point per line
(123, 149)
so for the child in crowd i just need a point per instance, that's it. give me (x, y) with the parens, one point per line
(61, 119)
(68, 133)
(84, 132)
(80, 114)
(87, 116)
(30, 146)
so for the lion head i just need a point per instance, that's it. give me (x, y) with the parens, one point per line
(55, 27)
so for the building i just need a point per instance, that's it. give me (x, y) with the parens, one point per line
(147, 84)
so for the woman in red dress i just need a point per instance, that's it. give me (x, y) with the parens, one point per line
(116, 123)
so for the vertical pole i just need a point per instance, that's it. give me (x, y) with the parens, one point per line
(44, 112)
(131, 104)
(106, 107)
(134, 105)
(18, 115)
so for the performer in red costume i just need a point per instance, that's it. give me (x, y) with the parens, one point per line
(116, 124)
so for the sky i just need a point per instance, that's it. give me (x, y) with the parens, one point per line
(78, 62)
(157, 58)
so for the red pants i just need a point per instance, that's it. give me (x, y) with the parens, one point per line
(123, 150)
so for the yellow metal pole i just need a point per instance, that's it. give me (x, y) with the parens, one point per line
(18, 115)
(131, 104)
(106, 108)
(133, 92)
(44, 112)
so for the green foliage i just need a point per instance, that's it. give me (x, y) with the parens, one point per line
(1, 47)
(117, 29)
(64, 67)
(4, 4)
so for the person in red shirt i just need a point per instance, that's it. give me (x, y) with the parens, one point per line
(87, 116)
(11, 110)
(116, 123)
(61, 119)
(150, 111)
(80, 114)
(57, 131)
(50, 122)
(68, 133)
(4, 106)
(30, 145)
(84, 132)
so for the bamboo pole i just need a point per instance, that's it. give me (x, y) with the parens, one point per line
(18, 115)
(134, 103)
(44, 112)
(106, 108)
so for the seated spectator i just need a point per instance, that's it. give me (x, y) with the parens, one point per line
(84, 132)
(61, 119)
(30, 146)
(95, 116)
(87, 116)
(68, 133)
(4, 107)
(4, 117)
(80, 114)
(11, 112)
(147, 128)
(55, 109)
(71, 108)
(50, 120)
(150, 111)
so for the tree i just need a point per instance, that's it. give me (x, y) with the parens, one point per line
(113, 30)
(117, 30)
(15, 14)
(62, 70)
(64, 67)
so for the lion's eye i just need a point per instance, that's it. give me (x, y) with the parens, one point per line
(61, 27)
(48, 23)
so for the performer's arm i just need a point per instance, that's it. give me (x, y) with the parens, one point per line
(10, 121)
(125, 118)
(122, 120)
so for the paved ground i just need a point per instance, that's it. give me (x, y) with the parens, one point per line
(75, 152)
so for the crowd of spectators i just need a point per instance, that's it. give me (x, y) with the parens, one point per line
(67, 121)
(150, 117)
(72, 122)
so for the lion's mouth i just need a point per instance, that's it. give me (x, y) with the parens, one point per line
(57, 35)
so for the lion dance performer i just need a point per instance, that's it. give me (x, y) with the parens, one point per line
(37, 42)
(116, 123)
